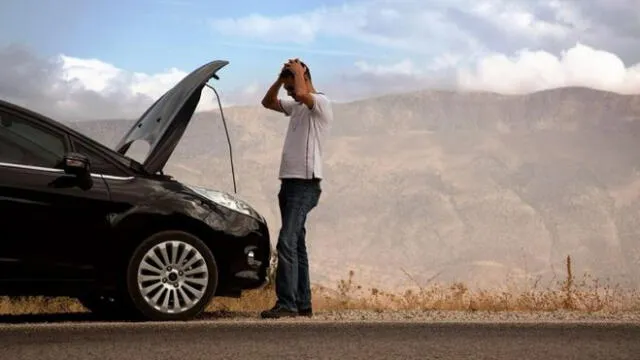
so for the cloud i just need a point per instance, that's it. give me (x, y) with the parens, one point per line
(296, 29)
(404, 67)
(515, 46)
(401, 25)
(301, 50)
(521, 19)
(70, 88)
(524, 71)
(474, 28)
(375, 79)
(530, 71)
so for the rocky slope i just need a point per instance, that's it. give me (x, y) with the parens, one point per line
(475, 187)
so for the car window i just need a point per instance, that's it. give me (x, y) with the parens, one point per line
(99, 165)
(24, 142)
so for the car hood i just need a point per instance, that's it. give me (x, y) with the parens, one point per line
(163, 123)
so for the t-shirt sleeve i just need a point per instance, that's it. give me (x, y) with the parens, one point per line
(287, 106)
(321, 105)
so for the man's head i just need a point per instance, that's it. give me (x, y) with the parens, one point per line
(288, 80)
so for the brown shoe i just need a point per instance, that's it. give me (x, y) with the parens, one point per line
(278, 312)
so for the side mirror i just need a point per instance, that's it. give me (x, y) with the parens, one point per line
(76, 164)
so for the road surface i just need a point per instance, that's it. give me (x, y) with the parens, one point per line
(286, 339)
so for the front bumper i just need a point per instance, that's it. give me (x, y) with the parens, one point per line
(248, 262)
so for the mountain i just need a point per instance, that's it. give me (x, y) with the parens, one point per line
(473, 187)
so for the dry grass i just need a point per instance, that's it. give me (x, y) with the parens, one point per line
(569, 294)
(587, 295)
(39, 305)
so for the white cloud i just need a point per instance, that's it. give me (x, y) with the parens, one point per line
(464, 44)
(409, 26)
(430, 28)
(522, 72)
(71, 88)
(89, 74)
(445, 61)
(458, 43)
(531, 71)
(105, 79)
(520, 18)
(252, 89)
(296, 29)
(404, 67)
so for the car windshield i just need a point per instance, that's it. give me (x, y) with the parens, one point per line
(123, 159)
(127, 161)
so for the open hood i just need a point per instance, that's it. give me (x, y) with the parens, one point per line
(164, 123)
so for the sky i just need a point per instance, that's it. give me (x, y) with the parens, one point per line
(85, 59)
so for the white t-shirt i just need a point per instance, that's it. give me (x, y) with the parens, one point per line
(306, 137)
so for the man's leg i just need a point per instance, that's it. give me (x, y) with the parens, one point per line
(312, 195)
(293, 208)
(303, 294)
(286, 277)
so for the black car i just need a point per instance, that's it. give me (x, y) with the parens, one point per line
(82, 220)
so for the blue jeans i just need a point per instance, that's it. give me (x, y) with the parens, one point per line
(297, 197)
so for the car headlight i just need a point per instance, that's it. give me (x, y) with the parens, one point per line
(227, 200)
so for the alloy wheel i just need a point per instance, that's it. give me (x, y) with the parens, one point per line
(172, 277)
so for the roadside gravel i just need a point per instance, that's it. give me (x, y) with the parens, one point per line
(446, 316)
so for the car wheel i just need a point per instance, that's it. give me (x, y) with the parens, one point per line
(172, 275)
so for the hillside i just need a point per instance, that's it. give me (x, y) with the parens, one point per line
(476, 187)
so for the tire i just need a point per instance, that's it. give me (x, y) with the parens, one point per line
(174, 280)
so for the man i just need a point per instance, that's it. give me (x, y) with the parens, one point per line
(301, 171)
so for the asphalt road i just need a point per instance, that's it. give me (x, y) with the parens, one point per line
(277, 339)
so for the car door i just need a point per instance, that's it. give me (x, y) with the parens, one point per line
(48, 224)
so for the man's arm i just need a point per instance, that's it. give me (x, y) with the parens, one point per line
(302, 93)
(270, 100)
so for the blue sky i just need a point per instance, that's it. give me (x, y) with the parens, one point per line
(355, 48)
(153, 35)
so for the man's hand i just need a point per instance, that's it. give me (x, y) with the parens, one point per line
(295, 66)
(284, 67)
(302, 91)
(270, 99)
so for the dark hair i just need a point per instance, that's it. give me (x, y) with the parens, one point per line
(286, 73)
